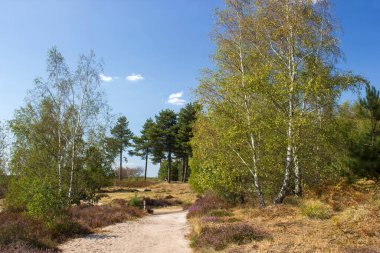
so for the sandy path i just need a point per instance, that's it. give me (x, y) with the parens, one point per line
(160, 233)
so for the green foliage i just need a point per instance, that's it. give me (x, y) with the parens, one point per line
(270, 122)
(316, 209)
(362, 121)
(135, 201)
(143, 144)
(121, 138)
(3, 150)
(365, 158)
(186, 119)
(44, 202)
(163, 170)
(164, 138)
(98, 169)
(60, 153)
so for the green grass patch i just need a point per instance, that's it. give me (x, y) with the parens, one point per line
(316, 209)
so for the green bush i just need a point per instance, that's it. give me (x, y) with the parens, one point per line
(44, 203)
(135, 201)
(315, 209)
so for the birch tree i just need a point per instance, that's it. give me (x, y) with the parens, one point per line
(3, 149)
(275, 86)
(61, 113)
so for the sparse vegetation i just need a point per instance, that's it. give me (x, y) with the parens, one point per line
(306, 225)
(205, 205)
(219, 237)
(21, 233)
(315, 209)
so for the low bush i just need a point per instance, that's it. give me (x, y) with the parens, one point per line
(220, 236)
(162, 202)
(99, 216)
(220, 213)
(362, 220)
(205, 205)
(207, 219)
(135, 201)
(316, 209)
(18, 230)
(26, 249)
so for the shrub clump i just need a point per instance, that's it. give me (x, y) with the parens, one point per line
(207, 219)
(17, 230)
(162, 202)
(101, 216)
(135, 201)
(362, 220)
(206, 204)
(316, 209)
(20, 232)
(220, 236)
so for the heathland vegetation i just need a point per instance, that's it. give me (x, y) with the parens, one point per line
(280, 161)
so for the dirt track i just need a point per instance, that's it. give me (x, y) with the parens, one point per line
(159, 233)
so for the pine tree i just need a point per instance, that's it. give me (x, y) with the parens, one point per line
(122, 136)
(371, 103)
(186, 119)
(143, 144)
(164, 138)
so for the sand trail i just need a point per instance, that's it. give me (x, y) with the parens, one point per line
(163, 232)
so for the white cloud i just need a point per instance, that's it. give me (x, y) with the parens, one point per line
(134, 77)
(105, 78)
(176, 98)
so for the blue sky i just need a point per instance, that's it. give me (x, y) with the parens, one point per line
(160, 44)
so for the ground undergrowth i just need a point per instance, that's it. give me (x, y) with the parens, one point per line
(119, 203)
(343, 218)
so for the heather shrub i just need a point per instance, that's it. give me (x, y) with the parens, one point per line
(210, 219)
(18, 229)
(100, 216)
(220, 236)
(220, 213)
(162, 202)
(65, 227)
(21, 248)
(316, 209)
(205, 205)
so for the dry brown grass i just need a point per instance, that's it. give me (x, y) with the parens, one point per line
(354, 226)
(180, 192)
